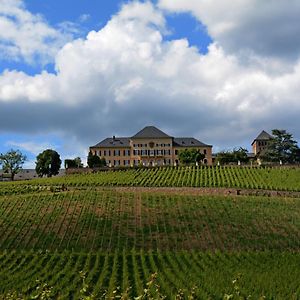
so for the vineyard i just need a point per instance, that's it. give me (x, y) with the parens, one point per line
(208, 275)
(80, 234)
(284, 179)
(110, 220)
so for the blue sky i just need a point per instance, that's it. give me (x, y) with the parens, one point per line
(75, 72)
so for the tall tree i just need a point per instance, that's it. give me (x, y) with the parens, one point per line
(234, 156)
(12, 162)
(282, 147)
(48, 163)
(189, 156)
(73, 163)
(94, 161)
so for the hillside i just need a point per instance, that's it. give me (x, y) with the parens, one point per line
(87, 233)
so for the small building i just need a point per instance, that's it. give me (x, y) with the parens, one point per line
(149, 147)
(259, 145)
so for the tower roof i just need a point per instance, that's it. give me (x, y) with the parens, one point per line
(263, 136)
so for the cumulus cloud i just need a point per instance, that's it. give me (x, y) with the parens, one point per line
(126, 76)
(268, 28)
(26, 36)
(32, 147)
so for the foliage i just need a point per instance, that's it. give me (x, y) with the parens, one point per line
(12, 162)
(151, 275)
(282, 148)
(190, 156)
(234, 156)
(73, 163)
(94, 161)
(48, 163)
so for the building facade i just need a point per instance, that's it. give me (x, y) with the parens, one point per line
(149, 147)
(259, 145)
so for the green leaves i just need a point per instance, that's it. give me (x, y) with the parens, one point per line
(48, 163)
(282, 148)
(190, 156)
(12, 162)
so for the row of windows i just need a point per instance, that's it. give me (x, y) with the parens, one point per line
(118, 163)
(136, 162)
(112, 152)
(138, 152)
(146, 145)
(262, 143)
(151, 152)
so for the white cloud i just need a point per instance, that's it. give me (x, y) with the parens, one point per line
(126, 76)
(32, 147)
(269, 28)
(26, 36)
(84, 17)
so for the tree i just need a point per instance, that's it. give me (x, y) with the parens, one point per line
(282, 148)
(94, 161)
(73, 163)
(189, 156)
(234, 156)
(48, 163)
(12, 162)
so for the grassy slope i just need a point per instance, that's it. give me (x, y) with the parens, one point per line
(236, 177)
(121, 238)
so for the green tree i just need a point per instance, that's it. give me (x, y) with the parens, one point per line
(73, 163)
(12, 162)
(94, 161)
(48, 163)
(234, 156)
(240, 154)
(282, 147)
(190, 156)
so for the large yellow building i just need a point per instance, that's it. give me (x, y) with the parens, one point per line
(149, 147)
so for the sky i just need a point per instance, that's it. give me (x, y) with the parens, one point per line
(75, 72)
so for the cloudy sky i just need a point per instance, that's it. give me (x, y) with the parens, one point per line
(75, 72)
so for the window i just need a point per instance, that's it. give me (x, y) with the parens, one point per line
(109, 153)
(104, 152)
(99, 152)
(176, 152)
(204, 151)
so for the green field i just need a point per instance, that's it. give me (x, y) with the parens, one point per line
(109, 220)
(285, 179)
(119, 239)
(274, 275)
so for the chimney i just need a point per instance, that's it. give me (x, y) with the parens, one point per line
(114, 138)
